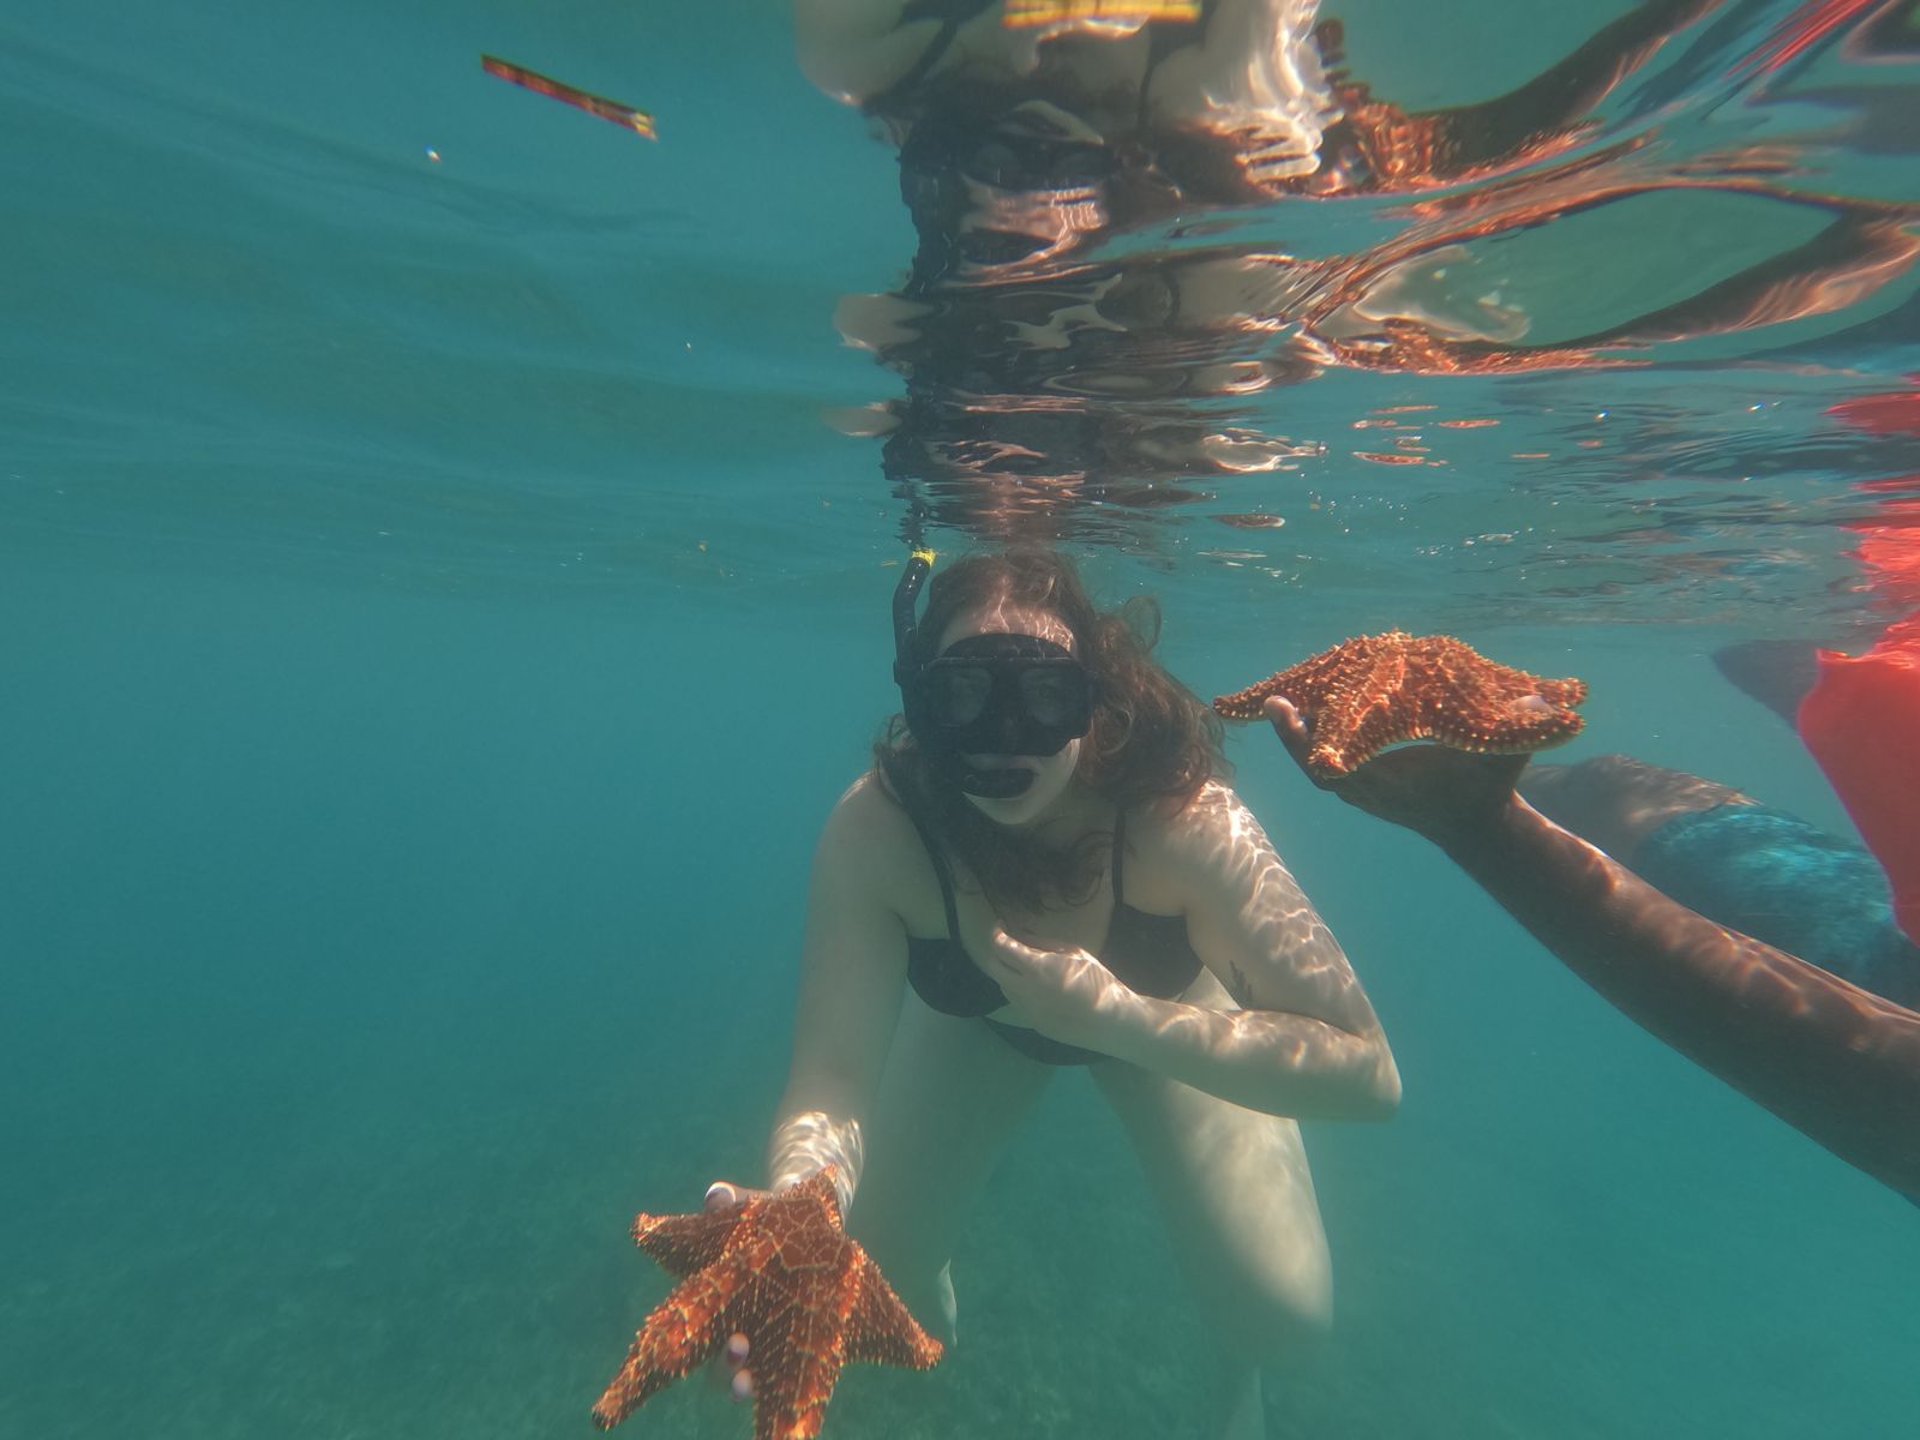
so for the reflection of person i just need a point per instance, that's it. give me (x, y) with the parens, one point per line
(1043, 869)
(1057, 384)
(1838, 1063)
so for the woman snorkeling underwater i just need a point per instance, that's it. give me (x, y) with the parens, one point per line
(1043, 869)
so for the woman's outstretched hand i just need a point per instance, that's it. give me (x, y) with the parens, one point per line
(731, 1369)
(1430, 789)
(1067, 995)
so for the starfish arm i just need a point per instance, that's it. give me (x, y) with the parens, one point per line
(881, 1331)
(683, 1244)
(823, 1188)
(1367, 707)
(798, 1353)
(1306, 683)
(678, 1337)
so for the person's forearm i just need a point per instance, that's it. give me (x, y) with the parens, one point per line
(805, 1142)
(1266, 1060)
(1838, 1064)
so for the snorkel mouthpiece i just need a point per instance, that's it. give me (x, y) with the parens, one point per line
(996, 784)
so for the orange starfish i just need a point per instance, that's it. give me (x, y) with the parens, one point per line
(1366, 694)
(782, 1271)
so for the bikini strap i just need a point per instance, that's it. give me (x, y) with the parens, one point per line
(1119, 850)
(942, 871)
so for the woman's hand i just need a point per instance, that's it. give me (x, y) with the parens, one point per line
(730, 1368)
(1431, 789)
(1067, 995)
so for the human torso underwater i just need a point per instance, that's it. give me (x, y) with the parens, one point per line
(1245, 68)
(1142, 938)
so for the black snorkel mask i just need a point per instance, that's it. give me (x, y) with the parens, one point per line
(986, 695)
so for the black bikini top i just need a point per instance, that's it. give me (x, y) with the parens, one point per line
(1148, 953)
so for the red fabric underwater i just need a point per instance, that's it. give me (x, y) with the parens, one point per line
(1861, 721)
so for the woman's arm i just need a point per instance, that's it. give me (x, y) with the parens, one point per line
(1838, 1064)
(853, 973)
(1306, 1042)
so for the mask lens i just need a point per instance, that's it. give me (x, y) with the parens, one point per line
(1003, 695)
(1054, 695)
(958, 694)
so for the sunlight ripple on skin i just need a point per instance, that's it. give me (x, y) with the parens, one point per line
(1320, 981)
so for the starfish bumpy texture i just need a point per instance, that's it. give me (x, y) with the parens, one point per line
(782, 1271)
(1378, 690)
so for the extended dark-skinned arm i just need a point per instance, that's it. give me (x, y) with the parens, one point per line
(1840, 1065)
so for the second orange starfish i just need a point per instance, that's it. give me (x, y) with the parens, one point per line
(1378, 690)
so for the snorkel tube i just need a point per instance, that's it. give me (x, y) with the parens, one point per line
(905, 596)
(947, 763)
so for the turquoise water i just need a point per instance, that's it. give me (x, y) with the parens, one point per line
(436, 621)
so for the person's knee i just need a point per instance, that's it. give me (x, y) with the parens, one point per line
(1288, 1309)
(1308, 1314)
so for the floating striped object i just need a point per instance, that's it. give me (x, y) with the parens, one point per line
(638, 121)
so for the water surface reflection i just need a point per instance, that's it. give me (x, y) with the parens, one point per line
(1135, 241)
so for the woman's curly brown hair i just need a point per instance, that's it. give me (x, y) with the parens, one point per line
(1152, 741)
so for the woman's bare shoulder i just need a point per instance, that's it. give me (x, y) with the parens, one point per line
(870, 853)
(868, 820)
(1213, 829)
(1214, 813)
